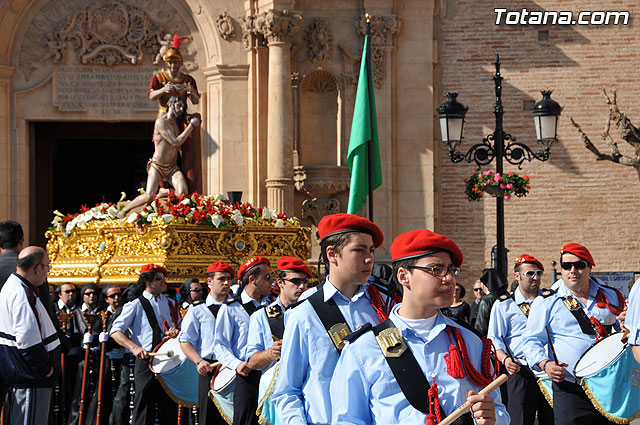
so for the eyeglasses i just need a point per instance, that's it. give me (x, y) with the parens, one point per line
(438, 271)
(89, 294)
(267, 276)
(158, 276)
(114, 295)
(477, 289)
(196, 290)
(579, 265)
(533, 273)
(298, 280)
(70, 291)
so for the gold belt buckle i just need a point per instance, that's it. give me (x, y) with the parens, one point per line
(337, 332)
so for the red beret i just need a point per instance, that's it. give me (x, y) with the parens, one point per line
(526, 258)
(293, 264)
(220, 266)
(153, 268)
(336, 224)
(419, 243)
(250, 263)
(579, 251)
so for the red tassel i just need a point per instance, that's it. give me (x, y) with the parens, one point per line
(431, 419)
(454, 366)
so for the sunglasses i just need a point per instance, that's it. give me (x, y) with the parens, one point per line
(114, 295)
(70, 291)
(532, 273)
(439, 271)
(579, 265)
(298, 280)
(159, 276)
(89, 294)
(477, 289)
(196, 290)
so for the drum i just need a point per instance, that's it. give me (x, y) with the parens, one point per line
(223, 384)
(177, 374)
(610, 376)
(544, 382)
(266, 410)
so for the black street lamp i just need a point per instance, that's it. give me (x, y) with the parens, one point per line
(499, 145)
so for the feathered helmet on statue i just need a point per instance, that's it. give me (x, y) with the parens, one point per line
(173, 53)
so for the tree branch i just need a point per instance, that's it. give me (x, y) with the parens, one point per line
(614, 157)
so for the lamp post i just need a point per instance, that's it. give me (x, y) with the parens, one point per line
(499, 145)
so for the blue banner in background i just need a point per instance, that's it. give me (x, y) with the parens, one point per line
(622, 281)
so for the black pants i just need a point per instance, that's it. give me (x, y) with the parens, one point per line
(526, 398)
(208, 413)
(572, 406)
(149, 392)
(245, 399)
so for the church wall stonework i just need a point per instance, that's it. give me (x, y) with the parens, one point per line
(574, 197)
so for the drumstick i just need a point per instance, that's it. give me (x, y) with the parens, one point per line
(467, 405)
(168, 354)
(553, 351)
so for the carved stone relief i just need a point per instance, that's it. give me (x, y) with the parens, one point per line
(320, 82)
(320, 41)
(278, 26)
(100, 32)
(321, 183)
(225, 27)
(383, 28)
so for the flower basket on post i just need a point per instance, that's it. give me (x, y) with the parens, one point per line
(495, 184)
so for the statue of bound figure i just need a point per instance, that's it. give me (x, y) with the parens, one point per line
(173, 132)
(169, 134)
(169, 82)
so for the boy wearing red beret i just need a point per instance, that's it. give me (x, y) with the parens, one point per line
(314, 329)
(576, 315)
(147, 319)
(418, 366)
(506, 328)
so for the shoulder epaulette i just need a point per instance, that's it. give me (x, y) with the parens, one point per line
(504, 297)
(547, 293)
(295, 304)
(358, 332)
(195, 303)
(232, 300)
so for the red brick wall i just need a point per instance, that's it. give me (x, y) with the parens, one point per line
(573, 197)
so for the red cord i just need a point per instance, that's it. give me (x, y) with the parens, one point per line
(478, 379)
(602, 302)
(601, 330)
(378, 303)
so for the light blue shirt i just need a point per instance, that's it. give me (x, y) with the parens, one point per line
(260, 336)
(508, 320)
(632, 321)
(199, 328)
(567, 338)
(133, 319)
(365, 391)
(231, 331)
(309, 357)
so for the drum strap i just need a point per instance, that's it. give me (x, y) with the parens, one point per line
(331, 318)
(276, 320)
(576, 309)
(153, 321)
(412, 381)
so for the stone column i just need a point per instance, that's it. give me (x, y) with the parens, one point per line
(278, 27)
(7, 193)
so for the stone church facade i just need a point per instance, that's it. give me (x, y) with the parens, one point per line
(278, 82)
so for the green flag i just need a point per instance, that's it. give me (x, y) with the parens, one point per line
(364, 129)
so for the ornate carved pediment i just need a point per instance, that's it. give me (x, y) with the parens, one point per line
(383, 28)
(320, 40)
(225, 27)
(105, 33)
(320, 81)
(321, 181)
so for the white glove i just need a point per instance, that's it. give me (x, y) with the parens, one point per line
(88, 339)
(104, 337)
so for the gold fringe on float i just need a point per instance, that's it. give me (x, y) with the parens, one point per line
(267, 394)
(172, 396)
(603, 412)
